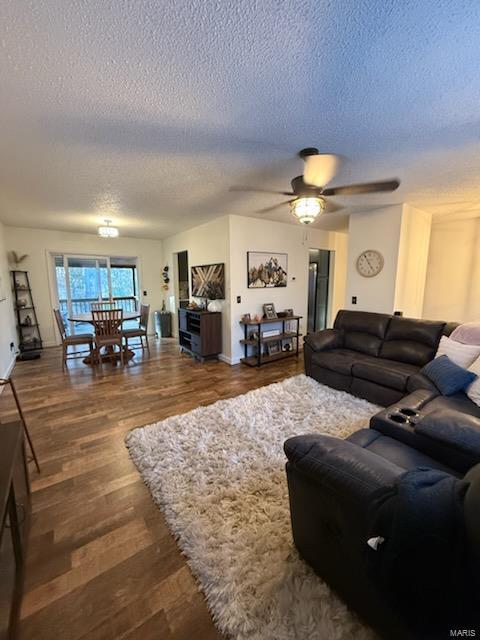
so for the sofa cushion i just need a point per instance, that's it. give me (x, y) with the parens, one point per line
(411, 341)
(363, 331)
(462, 354)
(448, 376)
(384, 372)
(458, 402)
(397, 452)
(338, 360)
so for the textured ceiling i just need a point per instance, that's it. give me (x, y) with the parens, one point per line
(148, 110)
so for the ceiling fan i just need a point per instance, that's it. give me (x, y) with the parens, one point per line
(309, 191)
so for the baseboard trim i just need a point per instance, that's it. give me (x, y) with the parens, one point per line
(228, 359)
(9, 370)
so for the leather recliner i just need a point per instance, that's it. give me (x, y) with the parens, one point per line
(334, 487)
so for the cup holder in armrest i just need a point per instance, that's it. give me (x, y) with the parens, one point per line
(410, 413)
(398, 417)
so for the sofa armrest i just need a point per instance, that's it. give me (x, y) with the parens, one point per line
(324, 340)
(456, 432)
(348, 470)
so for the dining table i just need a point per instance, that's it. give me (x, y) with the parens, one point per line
(87, 318)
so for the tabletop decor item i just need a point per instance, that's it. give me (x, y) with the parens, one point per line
(269, 310)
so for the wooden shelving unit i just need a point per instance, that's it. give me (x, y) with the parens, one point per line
(259, 358)
(29, 338)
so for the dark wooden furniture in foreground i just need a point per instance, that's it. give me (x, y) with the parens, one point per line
(14, 523)
(76, 340)
(9, 381)
(200, 333)
(257, 342)
(140, 331)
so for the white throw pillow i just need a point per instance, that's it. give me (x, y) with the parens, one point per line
(473, 389)
(461, 354)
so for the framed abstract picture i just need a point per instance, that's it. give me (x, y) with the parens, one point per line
(208, 281)
(266, 269)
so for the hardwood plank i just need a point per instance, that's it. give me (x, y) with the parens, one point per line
(102, 564)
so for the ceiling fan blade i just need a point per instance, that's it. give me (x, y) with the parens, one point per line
(332, 207)
(366, 187)
(275, 206)
(255, 190)
(320, 169)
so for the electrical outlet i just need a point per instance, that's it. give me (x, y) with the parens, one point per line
(239, 299)
(12, 346)
(354, 299)
(145, 294)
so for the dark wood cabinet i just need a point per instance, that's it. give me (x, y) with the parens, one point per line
(15, 504)
(200, 333)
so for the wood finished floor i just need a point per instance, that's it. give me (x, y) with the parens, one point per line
(102, 564)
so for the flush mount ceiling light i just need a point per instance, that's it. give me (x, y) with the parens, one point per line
(107, 231)
(307, 209)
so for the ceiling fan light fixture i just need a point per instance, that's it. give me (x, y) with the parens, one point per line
(106, 231)
(306, 209)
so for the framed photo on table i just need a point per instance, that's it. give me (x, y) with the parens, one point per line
(269, 311)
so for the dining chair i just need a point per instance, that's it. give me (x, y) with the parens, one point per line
(106, 304)
(107, 324)
(72, 341)
(140, 331)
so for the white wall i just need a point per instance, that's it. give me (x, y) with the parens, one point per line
(412, 261)
(206, 244)
(252, 234)
(378, 230)
(452, 290)
(8, 330)
(40, 243)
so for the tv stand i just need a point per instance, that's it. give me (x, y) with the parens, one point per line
(200, 333)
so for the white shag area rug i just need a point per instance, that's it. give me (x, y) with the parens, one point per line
(218, 474)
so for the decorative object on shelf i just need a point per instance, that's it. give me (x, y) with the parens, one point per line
(214, 305)
(269, 311)
(15, 258)
(27, 321)
(266, 269)
(208, 281)
(287, 344)
(273, 348)
(257, 317)
(107, 231)
(271, 333)
(288, 312)
(21, 302)
(370, 263)
(246, 317)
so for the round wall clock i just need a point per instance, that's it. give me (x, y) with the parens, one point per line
(370, 263)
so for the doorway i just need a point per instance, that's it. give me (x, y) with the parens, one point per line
(82, 280)
(183, 287)
(318, 289)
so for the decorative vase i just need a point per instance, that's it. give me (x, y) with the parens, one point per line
(214, 305)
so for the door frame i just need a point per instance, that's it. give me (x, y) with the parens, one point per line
(50, 256)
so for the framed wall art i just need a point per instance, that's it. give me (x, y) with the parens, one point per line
(266, 269)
